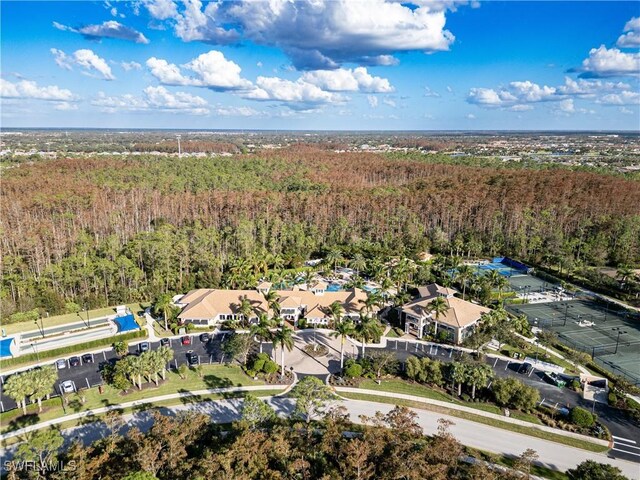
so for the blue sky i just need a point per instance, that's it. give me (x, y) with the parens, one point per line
(338, 64)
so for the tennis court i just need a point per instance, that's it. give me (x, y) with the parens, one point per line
(606, 332)
(524, 283)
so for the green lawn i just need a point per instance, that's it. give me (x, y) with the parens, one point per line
(533, 432)
(214, 376)
(408, 388)
(395, 333)
(69, 318)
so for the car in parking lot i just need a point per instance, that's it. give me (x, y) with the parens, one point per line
(61, 364)
(554, 379)
(193, 358)
(87, 358)
(74, 362)
(143, 347)
(525, 368)
(165, 342)
(186, 340)
(205, 337)
(68, 386)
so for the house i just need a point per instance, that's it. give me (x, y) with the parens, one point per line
(459, 320)
(212, 307)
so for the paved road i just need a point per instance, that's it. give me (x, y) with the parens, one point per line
(551, 455)
(626, 434)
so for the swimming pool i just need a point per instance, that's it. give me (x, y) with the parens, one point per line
(334, 287)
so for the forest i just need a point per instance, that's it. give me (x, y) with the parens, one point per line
(101, 231)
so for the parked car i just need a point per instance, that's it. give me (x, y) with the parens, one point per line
(68, 386)
(555, 379)
(165, 342)
(74, 362)
(525, 368)
(61, 364)
(87, 358)
(143, 347)
(186, 340)
(205, 337)
(192, 358)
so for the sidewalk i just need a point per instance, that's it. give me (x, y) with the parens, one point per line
(135, 403)
(451, 406)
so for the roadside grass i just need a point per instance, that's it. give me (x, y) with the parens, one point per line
(407, 388)
(531, 431)
(508, 461)
(214, 376)
(58, 320)
(151, 406)
(395, 332)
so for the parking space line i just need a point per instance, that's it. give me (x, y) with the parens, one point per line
(624, 451)
(622, 439)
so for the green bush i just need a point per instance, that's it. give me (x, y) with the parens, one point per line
(353, 370)
(575, 385)
(270, 367)
(302, 323)
(613, 398)
(581, 417)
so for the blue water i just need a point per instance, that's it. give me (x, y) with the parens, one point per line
(334, 287)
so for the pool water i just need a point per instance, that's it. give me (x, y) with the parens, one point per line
(334, 287)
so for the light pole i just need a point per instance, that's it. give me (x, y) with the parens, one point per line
(620, 332)
(35, 348)
(41, 327)
(179, 149)
(86, 309)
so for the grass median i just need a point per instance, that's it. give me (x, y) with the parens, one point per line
(531, 431)
(213, 376)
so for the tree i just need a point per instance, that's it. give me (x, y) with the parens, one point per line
(312, 396)
(458, 373)
(335, 310)
(464, 274)
(272, 298)
(592, 470)
(333, 257)
(437, 307)
(343, 330)
(42, 447)
(165, 355)
(121, 348)
(162, 305)
(478, 375)
(262, 329)
(42, 381)
(140, 475)
(238, 345)
(256, 412)
(383, 361)
(18, 387)
(524, 462)
(368, 329)
(283, 338)
(581, 417)
(245, 309)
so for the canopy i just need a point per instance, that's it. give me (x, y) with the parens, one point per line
(126, 323)
(5, 347)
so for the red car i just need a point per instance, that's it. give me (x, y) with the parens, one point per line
(186, 340)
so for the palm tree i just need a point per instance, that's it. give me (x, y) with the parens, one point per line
(343, 330)
(17, 387)
(166, 355)
(465, 273)
(458, 375)
(373, 300)
(284, 339)
(245, 309)
(358, 263)
(336, 310)
(262, 329)
(333, 257)
(272, 297)
(367, 329)
(163, 303)
(42, 381)
(478, 375)
(437, 307)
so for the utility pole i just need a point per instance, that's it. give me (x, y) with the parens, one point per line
(179, 149)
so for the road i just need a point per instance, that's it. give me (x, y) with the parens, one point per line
(626, 434)
(551, 455)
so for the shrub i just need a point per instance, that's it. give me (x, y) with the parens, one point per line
(270, 367)
(575, 385)
(302, 323)
(613, 398)
(581, 417)
(353, 370)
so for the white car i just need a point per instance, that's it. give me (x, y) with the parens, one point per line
(68, 386)
(61, 364)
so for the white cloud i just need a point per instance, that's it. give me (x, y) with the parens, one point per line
(567, 106)
(514, 96)
(128, 66)
(631, 34)
(108, 29)
(604, 62)
(521, 108)
(298, 92)
(430, 93)
(66, 106)
(316, 34)
(389, 102)
(157, 99)
(532, 92)
(30, 89)
(86, 59)
(211, 70)
(626, 97)
(231, 111)
(348, 80)
(449, 89)
(588, 88)
(625, 110)
(471, 116)
(373, 101)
